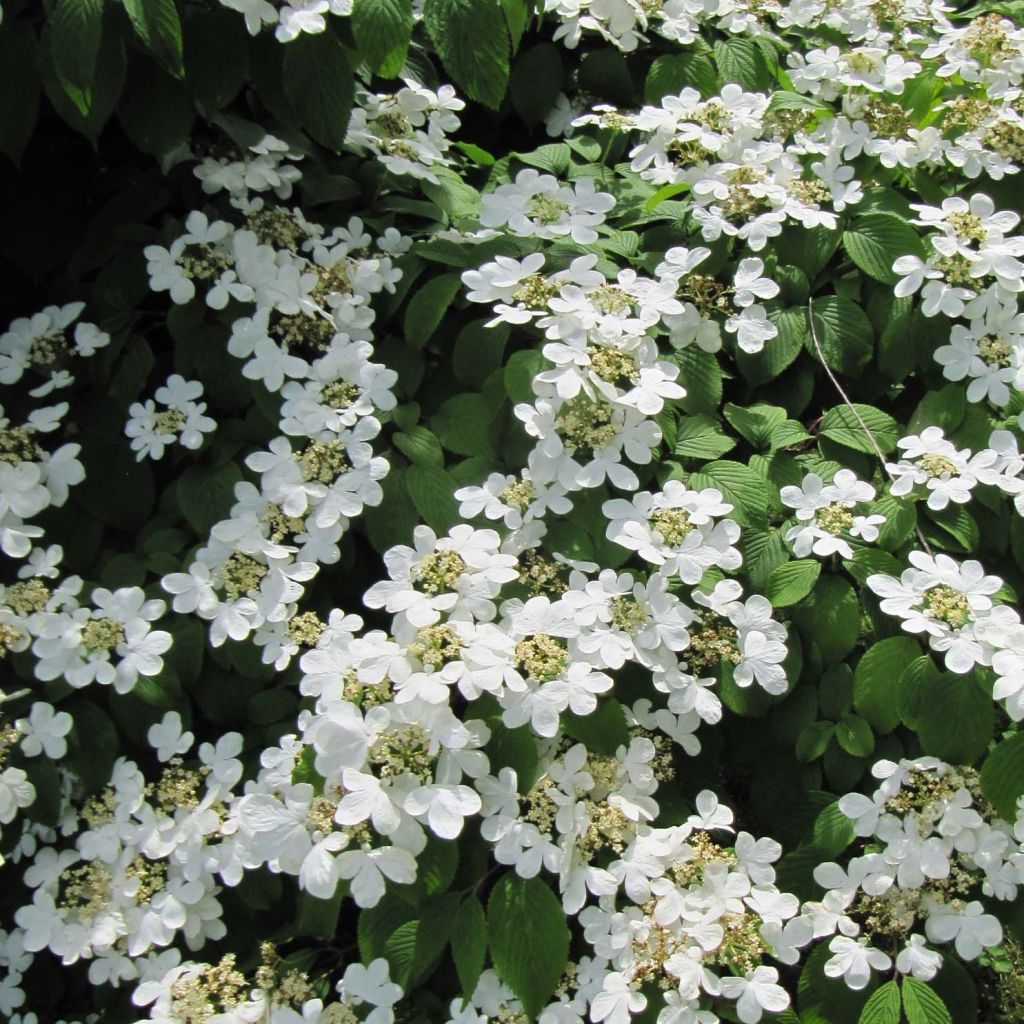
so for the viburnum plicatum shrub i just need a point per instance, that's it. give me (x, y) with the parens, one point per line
(512, 511)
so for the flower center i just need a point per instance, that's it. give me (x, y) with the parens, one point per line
(712, 640)
(102, 635)
(938, 465)
(629, 615)
(535, 291)
(439, 570)
(276, 227)
(611, 300)
(339, 394)
(203, 262)
(834, 519)
(436, 646)
(519, 495)
(673, 524)
(241, 574)
(17, 445)
(305, 629)
(403, 752)
(949, 605)
(613, 365)
(547, 209)
(968, 226)
(302, 331)
(168, 422)
(541, 658)
(585, 426)
(995, 350)
(324, 461)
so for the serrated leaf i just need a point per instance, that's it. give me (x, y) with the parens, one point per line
(846, 426)
(472, 40)
(701, 375)
(671, 73)
(876, 680)
(844, 333)
(756, 422)
(1002, 776)
(382, 29)
(319, 918)
(883, 1007)
(740, 485)
(833, 832)
(813, 740)
(206, 495)
(427, 308)
(528, 937)
(922, 1005)
(605, 73)
(603, 731)
(431, 490)
(157, 24)
(740, 60)
(701, 437)
(149, 88)
(792, 582)
(463, 424)
(953, 715)
(469, 943)
(318, 82)
(216, 57)
(875, 241)
(76, 27)
(420, 445)
(780, 351)
(830, 616)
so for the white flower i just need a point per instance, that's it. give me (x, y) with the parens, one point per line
(755, 993)
(371, 985)
(168, 738)
(853, 961)
(969, 928)
(617, 1001)
(43, 731)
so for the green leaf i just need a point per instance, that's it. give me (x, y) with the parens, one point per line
(792, 582)
(813, 740)
(469, 943)
(605, 73)
(779, 352)
(701, 437)
(319, 918)
(844, 333)
(841, 424)
(377, 924)
(216, 57)
(922, 1005)
(382, 29)
(318, 82)
(1002, 776)
(478, 352)
(157, 24)
(536, 82)
(431, 489)
(833, 832)
(603, 731)
(420, 445)
(756, 422)
(876, 680)
(740, 485)
(427, 308)
(876, 240)
(671, 73)
(854, 735)
(156, 111)
(76, 27)
(519, 372)
(701, 375)
(528, 937)
(206, 495)
(883, 1007)
(740, 60)
(472, 40)
(953, 715)
(19, 97)
(106, 86)
(830, 616)
(463, 424)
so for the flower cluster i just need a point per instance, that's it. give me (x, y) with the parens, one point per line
(933, 851)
